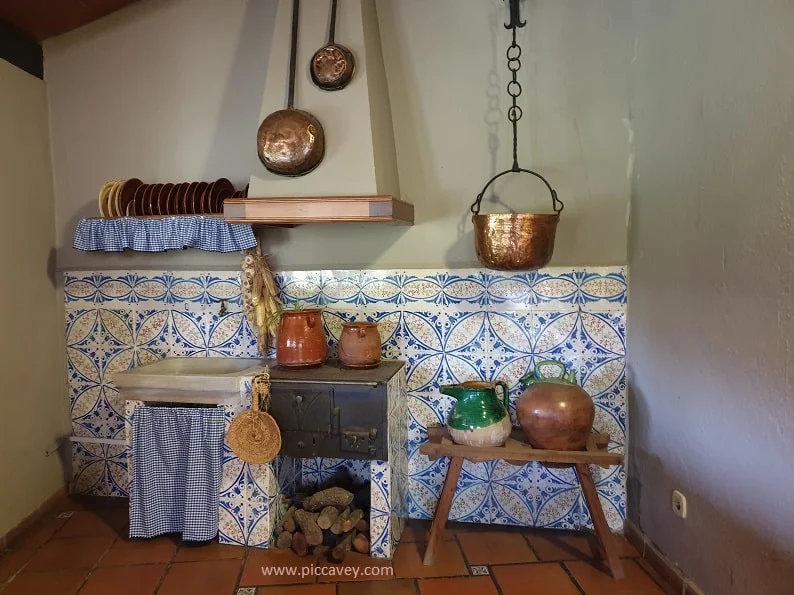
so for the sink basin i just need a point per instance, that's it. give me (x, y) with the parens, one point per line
(206, 380)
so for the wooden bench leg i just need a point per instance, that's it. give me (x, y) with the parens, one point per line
(604, 535)
(442, 509)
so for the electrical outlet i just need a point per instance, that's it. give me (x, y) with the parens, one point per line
(679, 504)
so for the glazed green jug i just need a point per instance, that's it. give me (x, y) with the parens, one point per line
(478, 418)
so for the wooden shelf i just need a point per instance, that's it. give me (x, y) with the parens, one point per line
(288, 210)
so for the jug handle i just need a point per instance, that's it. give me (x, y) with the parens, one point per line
(505, 394)
(310, 321)
(561, 367)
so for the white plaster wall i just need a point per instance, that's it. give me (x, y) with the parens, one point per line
(32, 353)
(711, 281)
(172, 90)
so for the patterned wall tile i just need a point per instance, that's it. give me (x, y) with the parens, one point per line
(448, 325)
(99, 467)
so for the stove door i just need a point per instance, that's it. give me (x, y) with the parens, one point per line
(303, 407)
(360, 412)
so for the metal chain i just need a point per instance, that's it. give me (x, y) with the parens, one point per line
(515, 112)
(514, 90)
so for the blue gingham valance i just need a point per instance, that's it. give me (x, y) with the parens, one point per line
(168, 233)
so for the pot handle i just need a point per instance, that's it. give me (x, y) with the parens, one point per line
(556, 203)
(361, 332)
(562, 372)
(310, 321)
(505, 394)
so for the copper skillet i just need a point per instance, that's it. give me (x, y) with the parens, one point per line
(291, 142)
(333, 65)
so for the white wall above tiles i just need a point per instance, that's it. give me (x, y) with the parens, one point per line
(448, 325)
(137, 94)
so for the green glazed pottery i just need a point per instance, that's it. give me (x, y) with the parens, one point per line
(479, 418)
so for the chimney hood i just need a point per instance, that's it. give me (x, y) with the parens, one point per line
(360, 158)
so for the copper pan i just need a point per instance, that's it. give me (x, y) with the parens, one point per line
(515, 241)
(291, 142)
(333, 65)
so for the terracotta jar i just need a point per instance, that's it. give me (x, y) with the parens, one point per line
(554, 411)
(359, 345)
(301, 339)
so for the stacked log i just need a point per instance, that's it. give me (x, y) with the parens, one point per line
(331, 523)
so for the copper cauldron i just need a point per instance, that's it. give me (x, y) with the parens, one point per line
(515, 241)
(524, 241)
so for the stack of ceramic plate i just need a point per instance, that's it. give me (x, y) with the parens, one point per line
(133, 198)
(241, 193)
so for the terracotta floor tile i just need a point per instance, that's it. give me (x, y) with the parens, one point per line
(416, 530)
(85, 523)
(129, 552)
(130, 580)
(210, 577)
(210, 551)
(37, 535)
(57, 582)
(534, 579)
(78, 552)
(356, 567)
(449, 561)
(596, 582)
(495, 547)
(393, 587)
(554, 546)
(470, 585)
(12, 562)
(297, 590)
(259, 559)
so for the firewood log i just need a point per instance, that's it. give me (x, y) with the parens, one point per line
(327, 517)
(350, 522)
(362, 526)
(308, 524)
(331, 497)
(299, 545)
(287, 522)
(361, 544)
(339, 553)
(284, 540)
(336, 528)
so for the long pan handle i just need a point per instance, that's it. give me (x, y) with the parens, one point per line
(293, 53)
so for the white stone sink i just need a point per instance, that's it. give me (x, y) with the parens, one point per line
(188, 379)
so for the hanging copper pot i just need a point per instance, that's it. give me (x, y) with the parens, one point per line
(291, 142)
(515, 241)
(333, 65)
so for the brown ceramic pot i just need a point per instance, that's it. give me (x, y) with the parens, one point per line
(301, 339)
(555, 412)
(359, 345)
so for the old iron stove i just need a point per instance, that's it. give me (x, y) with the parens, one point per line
(333, 412)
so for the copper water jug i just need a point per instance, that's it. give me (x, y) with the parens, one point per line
(554, 411)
